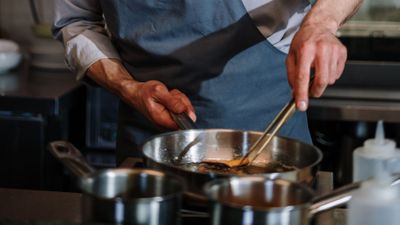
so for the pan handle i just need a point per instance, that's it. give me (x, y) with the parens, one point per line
(333, 199)
(71, 157)
(339, 197)
(183, 121)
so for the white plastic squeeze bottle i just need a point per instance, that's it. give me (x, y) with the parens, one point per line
(375, 203)
(377, 152)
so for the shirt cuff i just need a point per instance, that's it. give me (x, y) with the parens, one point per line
(85, 49)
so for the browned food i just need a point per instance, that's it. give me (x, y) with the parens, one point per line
(220, 168)
(228, 163)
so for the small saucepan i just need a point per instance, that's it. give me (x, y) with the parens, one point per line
(129, 196)
(256, 200)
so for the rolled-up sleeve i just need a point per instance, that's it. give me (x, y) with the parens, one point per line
(79, 24)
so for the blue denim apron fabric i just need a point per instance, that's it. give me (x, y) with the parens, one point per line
(209, 49)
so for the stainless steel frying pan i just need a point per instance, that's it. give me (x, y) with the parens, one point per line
(161, 152)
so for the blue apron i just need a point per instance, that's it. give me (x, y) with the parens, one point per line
(213, 52)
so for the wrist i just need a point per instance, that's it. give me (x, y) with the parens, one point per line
(322, 22)
(330, 15)
(128, 88)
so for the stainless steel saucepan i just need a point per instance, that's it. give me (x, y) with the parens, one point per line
(258, 201)
(162, 152)
(123, 196)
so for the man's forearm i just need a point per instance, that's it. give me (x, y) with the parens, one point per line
(112, 75)
(331, 13)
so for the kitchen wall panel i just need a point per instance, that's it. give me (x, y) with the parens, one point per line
(16, 19)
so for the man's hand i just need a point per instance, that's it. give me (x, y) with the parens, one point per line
(155, 101)
(151, 98)
(315, 46)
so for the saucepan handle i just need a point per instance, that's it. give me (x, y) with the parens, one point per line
(339, 197)
(333, 199)
(71, 157)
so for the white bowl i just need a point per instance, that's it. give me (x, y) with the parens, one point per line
(10, 56)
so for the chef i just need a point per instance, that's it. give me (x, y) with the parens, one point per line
(226, 63)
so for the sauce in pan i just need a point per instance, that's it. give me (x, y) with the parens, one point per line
(272, 167)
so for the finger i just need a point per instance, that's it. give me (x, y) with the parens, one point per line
(291, 69)
(333, 66)
(190, 109)
(304, 59)
(341, 61)
(322, 71)
(165, 98)
(178, 94)
(160, 105)
(160, 115)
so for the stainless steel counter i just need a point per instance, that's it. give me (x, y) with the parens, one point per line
(356, 109)
(39, 205)
(367, 91)
(33, 90)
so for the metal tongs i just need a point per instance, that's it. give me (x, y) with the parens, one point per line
(283, 116)
(255, 150)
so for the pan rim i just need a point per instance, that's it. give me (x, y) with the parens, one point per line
(304, 205)
(318, 152)
(135, 171)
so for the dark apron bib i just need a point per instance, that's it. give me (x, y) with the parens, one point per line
(209, 49)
